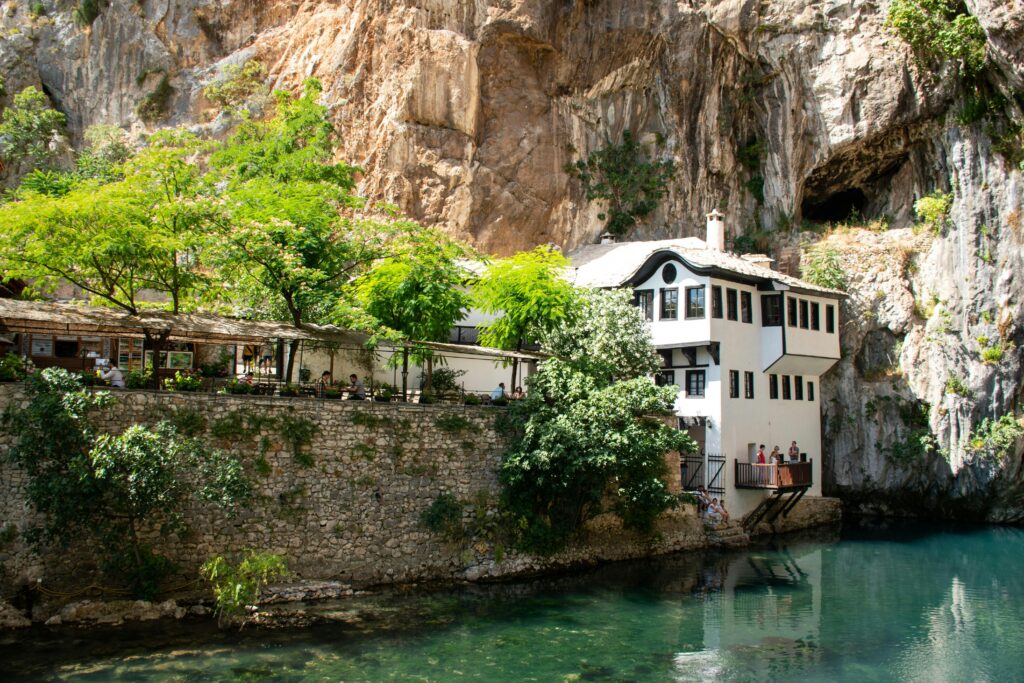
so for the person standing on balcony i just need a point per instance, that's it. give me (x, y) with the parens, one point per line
(760, 454)
(794, 452)
(776, 457)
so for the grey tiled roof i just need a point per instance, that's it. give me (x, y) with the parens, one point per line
(612, 265)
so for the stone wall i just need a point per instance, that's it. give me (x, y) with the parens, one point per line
(354, 514)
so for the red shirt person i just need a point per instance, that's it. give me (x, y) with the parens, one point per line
(760, 454)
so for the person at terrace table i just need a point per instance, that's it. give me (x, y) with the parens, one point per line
(356, 390)
(248, 379)
(114, 376)
(518, 394)
(499, 392)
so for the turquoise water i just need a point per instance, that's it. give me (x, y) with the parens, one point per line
(874, 605)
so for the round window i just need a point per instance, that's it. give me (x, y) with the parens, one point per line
(668, 274)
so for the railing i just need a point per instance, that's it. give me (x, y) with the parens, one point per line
(703, 470)
(751, 475)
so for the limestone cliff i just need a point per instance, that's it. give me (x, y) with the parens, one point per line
(463, 112)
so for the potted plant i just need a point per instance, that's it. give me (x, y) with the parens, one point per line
(138, 379)
(305, 374)
(89, 378)
(384, 393)
(427, 398)
(288, 390)
(184, 382)
(472, 400)
(233, 386)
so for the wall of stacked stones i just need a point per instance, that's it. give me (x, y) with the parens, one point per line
(352, 515)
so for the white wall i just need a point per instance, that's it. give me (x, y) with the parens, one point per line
(681, 330)
(808, 342)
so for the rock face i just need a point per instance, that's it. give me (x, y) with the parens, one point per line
(464, 112)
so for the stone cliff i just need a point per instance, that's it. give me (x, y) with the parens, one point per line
(464, 113)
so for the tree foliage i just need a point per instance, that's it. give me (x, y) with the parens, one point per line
(940, 30)
(591, 431)
(32, 131)
(623, 177)
(113, 489)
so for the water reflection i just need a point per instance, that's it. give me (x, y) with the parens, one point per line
(936, 606)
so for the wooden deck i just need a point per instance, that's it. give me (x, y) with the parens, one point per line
(773, 477)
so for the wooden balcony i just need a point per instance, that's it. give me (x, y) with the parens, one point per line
(787, 477)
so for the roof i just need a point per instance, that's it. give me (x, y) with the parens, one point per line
(614, 265)
(45, 317)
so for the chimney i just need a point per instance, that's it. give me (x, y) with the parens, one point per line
(607, 238)
(716, 231)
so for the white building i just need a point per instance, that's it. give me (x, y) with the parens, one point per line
(745, 344)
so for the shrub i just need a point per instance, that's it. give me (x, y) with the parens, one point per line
(384, 392)
(239, 85)
(234, 386)
(933, 211)
(991, 355)
(444, 516)
(955, 385)
(332, 393)
(453, 423)
(288, 390)
(622, 177)
(38, 9)
(155, 106)
(427, 398)
(29, 128)
(12, 368)
(473, 400)
(87, 11)
(184, 382)
(995, 438)
(237, 585)
(821, 266)
(139, 379)
(941, 30)
(444, 379)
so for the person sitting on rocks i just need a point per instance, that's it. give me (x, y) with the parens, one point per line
(702, 501)
(714, 516)
(723, 514)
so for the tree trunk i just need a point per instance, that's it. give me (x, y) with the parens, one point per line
(293, 348)
(155, 344)
(515, 369)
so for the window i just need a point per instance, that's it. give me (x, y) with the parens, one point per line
(734, 384)
(798, 387)
(694, 382)
(830, 319)
(730, 304)
(716, 301)
(815, 316)
(42, 345)
(791, 306)
(748, 385)
(771, 310)
(668, 274)
(810, 391)
(773, 386)
(803, 313)
(786, 392)
(746, 312)
(669, 304)
(66, 347)
(644, 300)
(665, 378)
(695, 302)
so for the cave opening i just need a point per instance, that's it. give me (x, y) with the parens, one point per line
(835, 207)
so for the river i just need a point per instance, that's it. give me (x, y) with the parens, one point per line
(877, 603)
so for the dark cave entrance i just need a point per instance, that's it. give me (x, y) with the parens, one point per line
(835, 207)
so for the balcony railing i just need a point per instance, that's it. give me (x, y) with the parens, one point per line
(789, 476)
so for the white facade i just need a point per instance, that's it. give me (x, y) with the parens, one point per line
(748, 373)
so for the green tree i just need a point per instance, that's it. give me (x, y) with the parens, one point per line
(529, 295)
(292, 241)
(237, 585)
(623, 177)
(591, 429)
(114, 240)
(112, 489)
(417, 294)
(32, 131)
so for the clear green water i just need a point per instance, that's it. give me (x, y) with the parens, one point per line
(875, 605)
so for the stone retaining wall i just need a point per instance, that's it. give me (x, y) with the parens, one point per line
(354, 515)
